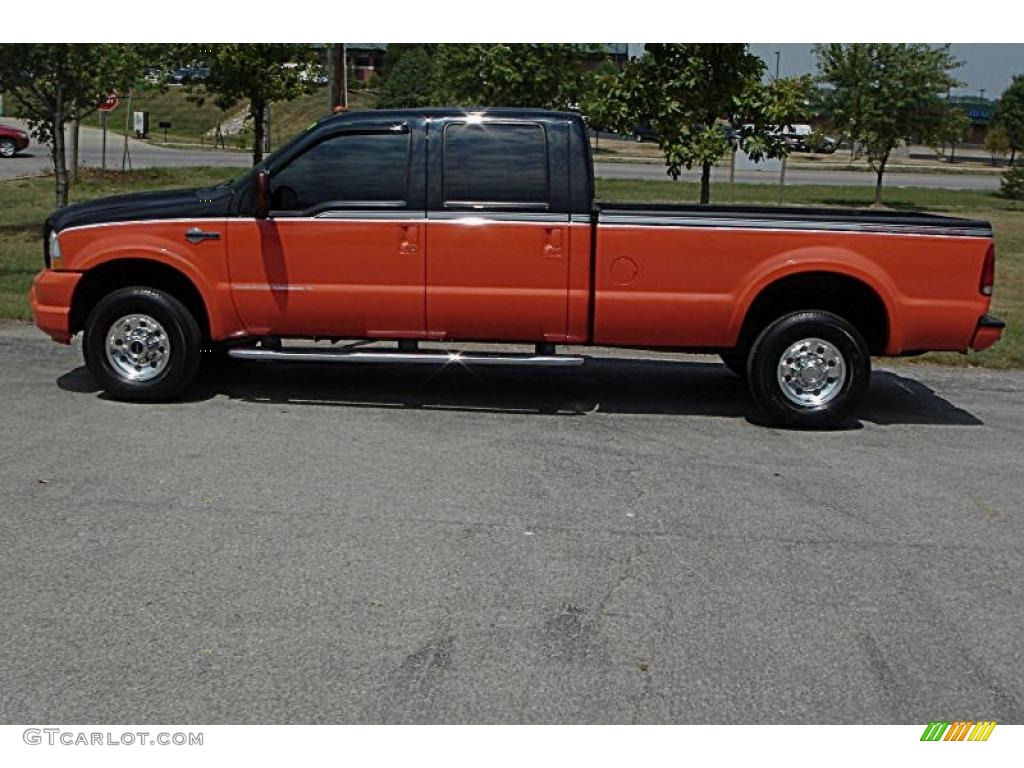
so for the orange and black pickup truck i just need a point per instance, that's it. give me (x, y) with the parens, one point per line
(421, 229)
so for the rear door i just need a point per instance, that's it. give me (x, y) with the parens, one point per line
(342, 252)
(497, 229)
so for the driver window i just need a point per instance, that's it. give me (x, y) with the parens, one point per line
(361, 169)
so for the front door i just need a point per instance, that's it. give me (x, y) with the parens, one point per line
(497, 235)
(342, 254)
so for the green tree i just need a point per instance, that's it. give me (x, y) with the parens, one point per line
(408, 83)
(395, 51)
(849, 73)
(1012, 185)
(686, 90)
(594, 104)
(257, 73)
(997, 142)
(952, 128)
(56, 83)
(509, 75)
(1010, 114)
(882, 94)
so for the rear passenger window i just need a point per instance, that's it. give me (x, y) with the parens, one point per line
(489, 163)
(359, 169)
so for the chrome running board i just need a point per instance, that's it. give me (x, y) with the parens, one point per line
(310, 355)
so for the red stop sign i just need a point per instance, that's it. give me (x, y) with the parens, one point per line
(110, 104)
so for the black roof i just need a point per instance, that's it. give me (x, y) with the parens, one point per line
(395, 114)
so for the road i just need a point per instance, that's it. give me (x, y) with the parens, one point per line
(619, 543)
(35, 160)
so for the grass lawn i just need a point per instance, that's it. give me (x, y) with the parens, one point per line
(26, 202)
(190, 122)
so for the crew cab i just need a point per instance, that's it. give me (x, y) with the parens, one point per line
(421, 229)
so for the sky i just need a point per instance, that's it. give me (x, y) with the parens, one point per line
(986, 65)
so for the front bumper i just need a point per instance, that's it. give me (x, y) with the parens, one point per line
(988, 331)
(50, 297)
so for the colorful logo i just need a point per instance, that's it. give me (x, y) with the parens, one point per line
(958, 730)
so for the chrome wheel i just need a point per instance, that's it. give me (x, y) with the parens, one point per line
(811, 372)
(137, 347)
(7, 148)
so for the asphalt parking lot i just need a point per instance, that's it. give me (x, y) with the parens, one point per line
(620, 543)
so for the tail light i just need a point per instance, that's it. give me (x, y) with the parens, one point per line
(988, 272)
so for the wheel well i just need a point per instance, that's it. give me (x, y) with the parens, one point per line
(108, 277)
(845, 296)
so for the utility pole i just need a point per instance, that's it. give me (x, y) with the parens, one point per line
(126, 155)
(337, 76)
(103, 151)
(266, 129)
(778, 56)
(343, 102)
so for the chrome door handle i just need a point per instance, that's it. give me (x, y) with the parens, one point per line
(196, 235)
(410, 239)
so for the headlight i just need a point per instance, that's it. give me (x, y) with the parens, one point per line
(55, 261)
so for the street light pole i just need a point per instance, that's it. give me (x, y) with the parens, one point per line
(778, 55)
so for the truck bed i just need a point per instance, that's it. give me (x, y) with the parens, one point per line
(790, 217)
(685, 275)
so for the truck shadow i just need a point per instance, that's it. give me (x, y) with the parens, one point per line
(601, 385)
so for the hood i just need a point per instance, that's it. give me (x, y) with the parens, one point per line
(199, 203)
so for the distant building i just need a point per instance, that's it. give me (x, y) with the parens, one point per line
(365, 59)
(980, 112)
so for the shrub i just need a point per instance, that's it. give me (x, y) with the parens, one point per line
(1013, 183)
(997, 143)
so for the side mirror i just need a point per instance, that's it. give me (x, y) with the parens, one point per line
(261, 195)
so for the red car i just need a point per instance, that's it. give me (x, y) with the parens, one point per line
(12, 141)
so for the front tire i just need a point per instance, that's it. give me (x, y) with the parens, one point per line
(142, 344)
(7, 148)
(809, 369)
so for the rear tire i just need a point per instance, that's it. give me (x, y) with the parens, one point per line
(142, 344)
(809, 369)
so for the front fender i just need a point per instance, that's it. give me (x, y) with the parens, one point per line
(204, 263)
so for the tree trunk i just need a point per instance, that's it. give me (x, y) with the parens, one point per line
(60, 168)
(1013, 155)
(332, 77)
(705, 184)
(782, 180)
(257, 110)
(75, 124)
(878, 182)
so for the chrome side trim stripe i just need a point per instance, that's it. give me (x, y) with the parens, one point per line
(366, 215)
(519, 217)
(790, 224)
(138, 222)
